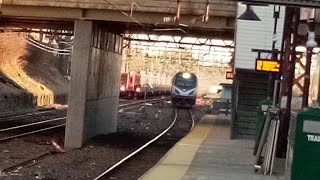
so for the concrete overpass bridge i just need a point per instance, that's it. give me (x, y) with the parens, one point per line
(215, 18)
(97, 27)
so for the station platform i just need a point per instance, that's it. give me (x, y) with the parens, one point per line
(207, 153)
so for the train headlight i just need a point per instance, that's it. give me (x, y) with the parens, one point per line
(186, 75)
(122, 88)
(138, 89)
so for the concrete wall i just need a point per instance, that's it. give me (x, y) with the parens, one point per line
(256, 34)
(94, 87)
(103, 82)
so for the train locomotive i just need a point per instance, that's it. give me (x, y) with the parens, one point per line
(137, 84)
(184, 89)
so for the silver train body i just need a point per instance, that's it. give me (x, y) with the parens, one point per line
(184, 89)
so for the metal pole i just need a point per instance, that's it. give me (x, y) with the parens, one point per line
(145, 97)
(227, 107)
(276, 14)
(177, 18)
(288, 66)
(305, 95)
(275, 92)
(318, 93)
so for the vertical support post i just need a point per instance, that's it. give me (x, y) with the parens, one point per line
(318, 92)
(305, 95)
(145, 97)
(292, 17)
(227, 107)
(75, 128)
(275, 92)
(95, 77)
(306, 84)
(276, 15)
(177, 18)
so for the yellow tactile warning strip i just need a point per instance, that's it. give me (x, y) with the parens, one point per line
(177, 160)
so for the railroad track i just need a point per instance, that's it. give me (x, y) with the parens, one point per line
(10, 117)
(143, 147)
(131, 105)
(46, 124)
(31, 113)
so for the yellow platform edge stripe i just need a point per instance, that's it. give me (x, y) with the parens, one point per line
(175, 163)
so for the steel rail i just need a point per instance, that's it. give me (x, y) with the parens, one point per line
(28, 114)
(139, 102)
(32, 132)
(13, 118)
(51, 120)
(145, 145)
(138, 105)
(32, 124)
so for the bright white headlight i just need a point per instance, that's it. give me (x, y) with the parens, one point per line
(186, 75)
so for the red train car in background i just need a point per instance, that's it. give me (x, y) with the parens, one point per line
(136, 84)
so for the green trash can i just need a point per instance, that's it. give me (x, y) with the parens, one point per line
(304, 146)
(261, 117)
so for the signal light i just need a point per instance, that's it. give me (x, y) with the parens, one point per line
(229, 75)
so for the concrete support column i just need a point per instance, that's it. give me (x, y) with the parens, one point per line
(94, 87)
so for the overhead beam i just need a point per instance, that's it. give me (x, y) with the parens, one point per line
(41, 17)
(221, 22)
(293, 3)
(193, 7)
(26, 24)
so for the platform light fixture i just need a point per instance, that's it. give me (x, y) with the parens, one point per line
(249, 15)
(311, 40)
(301, 49)
(316, 50)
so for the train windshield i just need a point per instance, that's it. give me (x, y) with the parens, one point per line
(185, 83)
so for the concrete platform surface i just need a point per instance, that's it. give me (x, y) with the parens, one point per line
(207, 153)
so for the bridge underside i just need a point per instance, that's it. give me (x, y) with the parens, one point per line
(221, 27)
(97, 48)
(25, 25)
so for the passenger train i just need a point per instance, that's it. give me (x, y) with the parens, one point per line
(137, 84)
(184, 89)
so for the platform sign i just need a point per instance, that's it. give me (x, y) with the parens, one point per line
(267, 65)
(229, 75)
